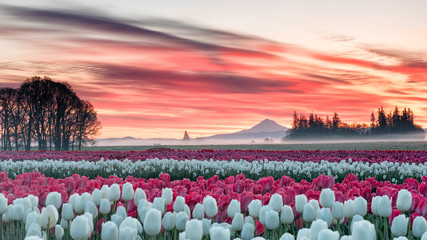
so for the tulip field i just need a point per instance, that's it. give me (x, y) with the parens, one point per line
(214, 194)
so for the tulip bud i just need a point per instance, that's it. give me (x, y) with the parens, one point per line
(59, 232)
(122, 212)
(91, 208)
(168, 221)
(272, 220)
(338, 210)
(276, 202)
(286, 215)
(349, 209)
(81, 202)
(254, 207)
(233, 208)
(72, 200)
(109, 231)
(248, 231)
(34, 230)
(303, 233)
(325, 214)
(300, 202)
(316, 227)
(210, 205)
(18, 214)
(117, 219)
(384, 206)
(287, 236)
(327, 198)
(206, 226)
(3, 203)
(127, 192)
(159, 204)
(64, 223)
(96, 197)
(194, 229)
(198, 211)
(105, 206)
(115, 192)
(80, 228)
(315, 205)
(49, 217)
(263, 213)
(181, 219)
(167, 195)
(142, 211)
(219, 233)
(328, 234)
(308, 214)
(404, 200)
(419, 226)
(139, 195)
(67, 211)
(34, 201)
(178, 205)
(360, 206)
(187, 210)
(399, 225)
(374, 205)
(54, 198)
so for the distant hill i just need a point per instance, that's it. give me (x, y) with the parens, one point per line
(265, 129)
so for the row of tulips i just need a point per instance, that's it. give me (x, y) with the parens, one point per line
(37, 207)
(178, 169)
(248, 155)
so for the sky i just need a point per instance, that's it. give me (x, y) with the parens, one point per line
(159, 68)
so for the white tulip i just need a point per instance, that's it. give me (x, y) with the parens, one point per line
(34, 201)
(96, 196)
(399, 226)
(54, 198)
(122, 212)
(300, 202)
(109, 231)
(254, 207)
(338, 210)
(127, 192)
(287, 236)
(263, 213)
(117, 219)
(114, 192)
(327, 198)
(233, 208)
(194, 229)
(59, 232)
(210, 205)
(424, 236)
(49, 217)
(34, 229)
(64, 223)
(127, 233)
(181, 219)
(349, 208)
(419, 226)
(67, 211)
(139, 195)
(404, 200)
(286, 215)
(178, 205)
(303, 233)
(375, 204)
(80, 203)
(384, 206)
(328, 234)
(363, 230)
(272, 221)
(360, 206)
(80, 228)
(276, 202)
(91, 208)
(248, 231)
(206, 226)
(105, 192)
(167, 194)
(325, 214)
(19, 213)
(105, 206)
(400, 238)
(316, 227)
(168, 221)
(153, 222)
(237, 223)
(315, 205)
(33, 217)
(3, 203)
(219, 233)
(308, 214)
(159, 204)
(198, 211)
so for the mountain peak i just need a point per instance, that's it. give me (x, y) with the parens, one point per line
(267, 125)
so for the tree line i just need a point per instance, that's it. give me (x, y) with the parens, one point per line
(395, 122)
(45, 113)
